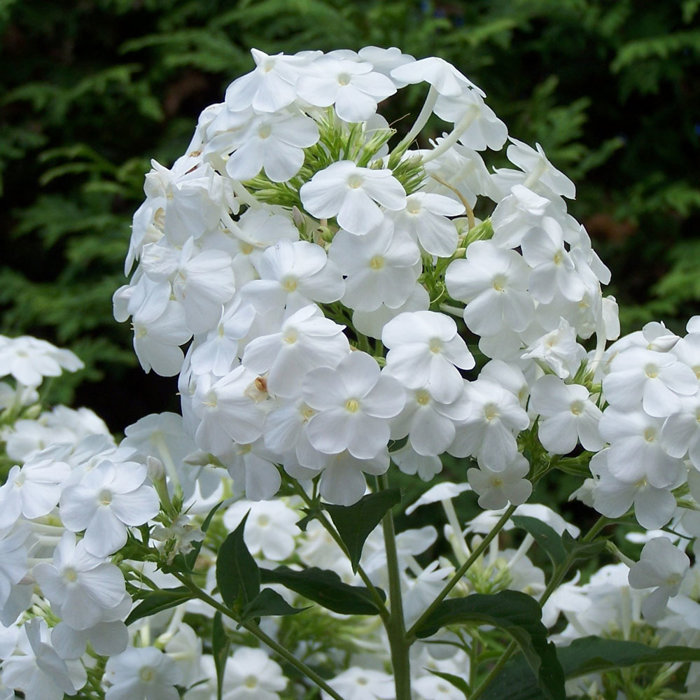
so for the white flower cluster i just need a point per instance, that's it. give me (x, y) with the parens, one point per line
(651, 428)
(311, 269)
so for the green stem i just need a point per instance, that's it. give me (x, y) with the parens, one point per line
(320, 516)
(257, 632)
(457, 576)
(395, 627)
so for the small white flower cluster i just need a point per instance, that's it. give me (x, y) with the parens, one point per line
(651, 428)
(310, 266)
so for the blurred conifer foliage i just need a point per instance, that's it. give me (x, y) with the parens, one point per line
(92, 89)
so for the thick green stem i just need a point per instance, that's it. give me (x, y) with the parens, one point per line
(457, 576)
(257, 632)
(395, 626)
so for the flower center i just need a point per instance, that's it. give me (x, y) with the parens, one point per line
(291, 336)
(352, 405)
(263, 520)
(377, 262)
(264, 131)
(650, 434)
(576, 407)
(355, 181)
(496, 482)
(147, 674)
(652, 371)
(251, 682)
(343, 79)
(490, 411)
(558, 257)
(70, 575)
(413, 206)
(499, 283)
(361, 680)
(435, 345)
(105, 497)
(289, 284)
(246, 248)
(422, 397)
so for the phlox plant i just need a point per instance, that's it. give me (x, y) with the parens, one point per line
(349, 305)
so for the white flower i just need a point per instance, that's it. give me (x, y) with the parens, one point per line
(568, 416)
(444, 77)
(273, 142)
(354, 403)
(539, 169)
(37, 670)
(252, 675)
(657, 380)
(80, 587)
(352, 195)
(29, 359)
(558, 350)
(362, 684)
(662, 567)
(380, 268)
(635, 451)
(497, 488)
(106, 501)
(342, 479)
(269, 529)
(425, 220)
(227, 411)
(354, 87)
(293, 274)
(271, 86)
(425, 351)
(488, 432)
(306, 340)
(429, 423)
(493, 282)
(157, 341)
(143, 673)
(613, 496)
(32, 490)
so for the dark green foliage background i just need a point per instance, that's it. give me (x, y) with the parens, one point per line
(92, 89)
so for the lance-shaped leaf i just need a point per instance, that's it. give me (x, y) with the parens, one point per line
(545, 536)
(325, 588)
(268, 602)
(354, 523)
(583, 656)
(514, 612)
(154, 602)
(558, 547)
(237, 573)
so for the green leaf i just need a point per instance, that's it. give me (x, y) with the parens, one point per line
(156, 601)
(584, 656)
(325, 588)
(354, 523)
(268, 602)
(221, 646)
(457, 681)
(514, 612)
(237, 573)
(545, 536)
